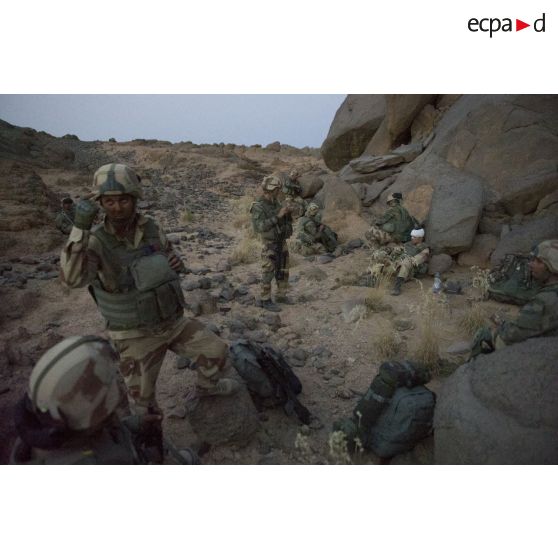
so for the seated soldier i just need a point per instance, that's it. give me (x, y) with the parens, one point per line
(394, 226)
(65, 217)
(412, 261)
(69, 414)
(537, 317)
(312, 236)
(404, 261)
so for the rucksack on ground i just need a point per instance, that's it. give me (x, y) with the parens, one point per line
(407, 420)
(511, 281)
(269, 378)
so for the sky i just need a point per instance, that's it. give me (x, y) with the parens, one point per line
(298, 120)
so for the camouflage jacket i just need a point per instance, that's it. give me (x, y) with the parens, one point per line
(266, 223)
(397, 221)
(65, 221)
(308, 229)
(537, 317)
(414, 249)
(85, 261)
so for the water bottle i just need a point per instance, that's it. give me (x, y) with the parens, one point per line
(437, 287)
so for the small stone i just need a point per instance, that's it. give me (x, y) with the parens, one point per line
(343, 393)
(324, 259)
(29, 260)
(251, 280)
(45, 267)
(354, 244)
(336, 381)
(403, 324)
(272, 320)
(205, 283)
(224, 265)
(459, 348)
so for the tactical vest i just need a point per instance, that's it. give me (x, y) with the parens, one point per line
(148, 290)
(306, 230)
(283, 229)
(400, 225)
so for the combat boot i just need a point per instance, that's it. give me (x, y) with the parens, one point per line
(283, 299)
(396, 291)
(269, 305)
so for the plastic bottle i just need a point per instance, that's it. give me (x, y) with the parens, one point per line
(437, 287)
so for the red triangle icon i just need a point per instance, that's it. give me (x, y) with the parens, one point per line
(519, 25)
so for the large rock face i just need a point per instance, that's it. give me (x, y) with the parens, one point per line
(521, 238)
(354, 124)
(501, 408)
(395, 129)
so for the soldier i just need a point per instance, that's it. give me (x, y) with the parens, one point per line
(68, 416)
(312, 236)
(273, 222)
(65, 217)
(413, 260)
(132, 273)
(537, 317)
(290, 194)
(394, 226)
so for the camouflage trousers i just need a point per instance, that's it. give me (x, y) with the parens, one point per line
(410, 265)
(376, 235)
(141, 358)
(305, 249)
(269, 261)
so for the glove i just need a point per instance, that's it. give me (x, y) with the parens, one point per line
(85, 215)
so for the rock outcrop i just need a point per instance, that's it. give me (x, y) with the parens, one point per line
(501, 408)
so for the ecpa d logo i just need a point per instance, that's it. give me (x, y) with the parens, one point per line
(492, 25)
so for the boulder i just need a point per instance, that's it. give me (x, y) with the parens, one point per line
(274, 146)
(456, 202)
(351, 176)
(354, 124)
(480, 252)
(521, 238)
(395, 129)
(337, 194)
(311, 184)
(369, 193)
(439, 263)
(501, 408)
(424, 122)
(225, 419)
(547, 201)
(510, 141)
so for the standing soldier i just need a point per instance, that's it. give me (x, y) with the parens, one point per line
(394, 226)
(65, 217)
(273, 222)
(130, 269)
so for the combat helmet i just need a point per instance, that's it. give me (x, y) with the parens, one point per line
(270, 183)
(76, 383)
(312, 209)
(116, 179)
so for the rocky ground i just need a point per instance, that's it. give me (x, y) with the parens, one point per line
(332, 336)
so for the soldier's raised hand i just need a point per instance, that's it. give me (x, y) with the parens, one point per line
(86, 212)
(176, 263)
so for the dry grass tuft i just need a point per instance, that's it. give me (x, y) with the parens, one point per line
(247, 251)
(473, 319)
(186, 217)
(386, 344)
(241, 211)
(338, 449)
(481, 281)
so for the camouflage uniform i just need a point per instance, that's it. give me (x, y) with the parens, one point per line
(313, 237)
(143, 310)
(536, 318)
(291, 196)
(65, 220)
(69, 414)
(394, 226)
(273, 232)
(403, 261)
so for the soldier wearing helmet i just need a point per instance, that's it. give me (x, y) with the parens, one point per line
(68, 415)
(272, 221)
(291, 193)
(312, 236)
(537, 317)
(65, 217)
(394, 226)
(129, 267)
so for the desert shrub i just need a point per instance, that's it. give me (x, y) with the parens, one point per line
(481, 281)
(247, 251)
(386, 343)
(473, 319)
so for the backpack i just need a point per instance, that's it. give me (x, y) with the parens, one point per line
(511, 281)
(407, 419)
(270, 380)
